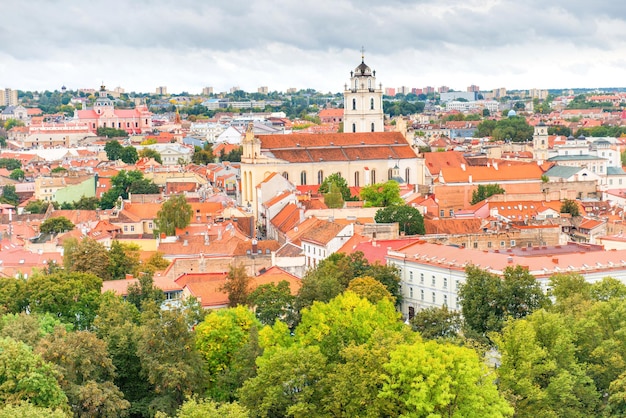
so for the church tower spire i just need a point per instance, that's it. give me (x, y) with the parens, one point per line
(363, 101)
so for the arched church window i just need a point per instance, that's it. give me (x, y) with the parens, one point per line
(354, 127)
(373, 126)
(286, 175)
(320, 177)
(353, 104)
(372, 103)
(303, 178)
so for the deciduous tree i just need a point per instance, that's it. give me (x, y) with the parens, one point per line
(484, 191)
(410, 220)
(86, 372)
(27, 377)
(56, 225)
(429, 379)
(382, 194)
(274, 302)
(174, 213)
(86, 256)
(237, 286)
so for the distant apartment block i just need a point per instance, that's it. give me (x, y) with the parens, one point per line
(473, 88)
(263, 90)
(207, 91)
(390, 91)
(161, 91)
(403, 90)
(538, 94)
(428, 90)
(291, 90)
(8, 97)
(417, 91)
(455, 95)
(234, 89)
(443, 89)
(498, 93)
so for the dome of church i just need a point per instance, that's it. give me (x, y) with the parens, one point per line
(362, 70)
(511, 113)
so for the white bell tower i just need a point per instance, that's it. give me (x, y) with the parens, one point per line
(540, 143)
(363, 101)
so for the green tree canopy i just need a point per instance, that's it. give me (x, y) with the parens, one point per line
(151, 153)
(571, 207)
(37, 206)
(10, 163)
(113, 150)
(409, 219)
(86, 256)
(370, 289)
(430, 379)
(9, 195)
(17, 174)
(433, 323)
(123, 259)
(483, 191)
(273, 302)
(27, 377)
(539, 368)
(86, 372)
(129, 155)
(126, 182)
(382, 194)
(514, 128)
(487, 300)
(56, 225)
(72, 297)
(339, 182)
(174, 213)
(237, 286)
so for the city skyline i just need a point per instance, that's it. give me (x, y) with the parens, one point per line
(142, 45)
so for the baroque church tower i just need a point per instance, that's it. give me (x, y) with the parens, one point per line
(540, 143)
(363, 101)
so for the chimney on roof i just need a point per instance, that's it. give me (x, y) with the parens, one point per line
(185, 243)
(254, 246)
(495, 165)
(463, 166)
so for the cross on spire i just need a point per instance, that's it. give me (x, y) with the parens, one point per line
(363, 54)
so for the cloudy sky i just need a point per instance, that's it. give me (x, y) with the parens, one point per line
(189, 44)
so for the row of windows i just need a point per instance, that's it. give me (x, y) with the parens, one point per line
(357, 177)
(433, 281)
(433, 297)
(371, 104)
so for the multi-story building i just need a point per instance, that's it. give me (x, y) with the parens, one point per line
(263, 90)
(499, 92)
(161, 91)
(8, 97)
(473, 88)
(207, 91)
(431, 274)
